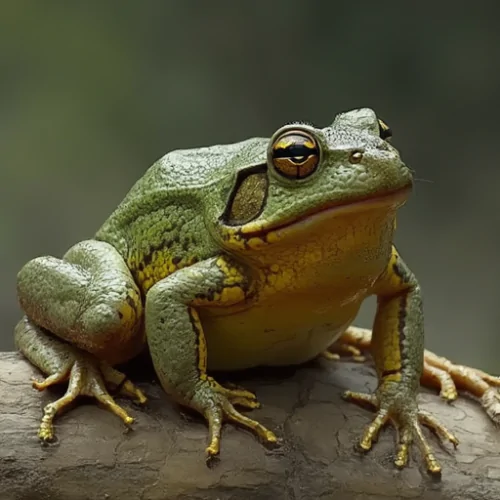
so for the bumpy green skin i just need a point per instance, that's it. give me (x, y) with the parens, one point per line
(172, 220)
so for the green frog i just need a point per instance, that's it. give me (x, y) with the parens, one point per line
(235, 256)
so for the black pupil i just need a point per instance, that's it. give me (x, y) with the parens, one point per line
(296, 152)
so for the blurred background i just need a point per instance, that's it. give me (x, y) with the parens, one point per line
(92, 93)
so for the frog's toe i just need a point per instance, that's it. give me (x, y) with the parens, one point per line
(491, 403)
(433, 376)
(372, 431)
(55, 378)
(362, 399)
(239, 396)
(343, 350)
(425, 418)
(351, 344)
(121, 384)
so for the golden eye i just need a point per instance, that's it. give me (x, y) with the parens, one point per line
(384, 130)
(295, 154)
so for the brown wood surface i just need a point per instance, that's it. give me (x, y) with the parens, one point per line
(162, 457)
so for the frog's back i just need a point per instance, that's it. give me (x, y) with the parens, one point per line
(160, 226)
(196, 168)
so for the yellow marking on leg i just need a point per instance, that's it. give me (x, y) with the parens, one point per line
(386, 347)
(391, 281)
(130, 310)
(201, 344)
(232, 289)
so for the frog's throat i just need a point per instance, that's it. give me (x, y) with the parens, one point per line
(393, 199)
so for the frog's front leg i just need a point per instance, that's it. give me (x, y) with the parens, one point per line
(398, 351)
(178, 347)
(90, 300)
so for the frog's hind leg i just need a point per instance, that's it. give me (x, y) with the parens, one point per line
(89, 300)
(85, 375)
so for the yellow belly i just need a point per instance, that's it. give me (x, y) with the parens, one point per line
(286, 331)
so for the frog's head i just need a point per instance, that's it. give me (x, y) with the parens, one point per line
(311, 176)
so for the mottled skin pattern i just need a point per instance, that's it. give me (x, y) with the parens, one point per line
(176, 266)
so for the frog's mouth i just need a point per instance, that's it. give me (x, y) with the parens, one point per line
(391, 199)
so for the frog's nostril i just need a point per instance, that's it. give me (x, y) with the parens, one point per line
(355, 157)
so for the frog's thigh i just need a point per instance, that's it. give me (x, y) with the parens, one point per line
(88, 298)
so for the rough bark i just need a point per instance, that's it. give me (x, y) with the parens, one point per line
(162, 458)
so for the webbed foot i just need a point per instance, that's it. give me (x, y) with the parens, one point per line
(396, 406)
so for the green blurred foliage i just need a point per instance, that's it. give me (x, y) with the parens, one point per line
(91, 93)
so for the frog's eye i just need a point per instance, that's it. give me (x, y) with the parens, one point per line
(295, 154)
(384, 130)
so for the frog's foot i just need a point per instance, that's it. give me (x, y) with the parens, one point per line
(86, 377)
(63, 362)
(438, 373)
(115, 381)
(402, 412)
(216, 404)
(447, 375)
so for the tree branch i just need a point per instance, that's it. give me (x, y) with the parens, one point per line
(163, 457)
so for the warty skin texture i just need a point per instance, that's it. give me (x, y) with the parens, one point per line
(174, 266)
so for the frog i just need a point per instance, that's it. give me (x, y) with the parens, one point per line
(234, 256)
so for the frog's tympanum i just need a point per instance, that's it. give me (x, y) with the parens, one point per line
(234, 256)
